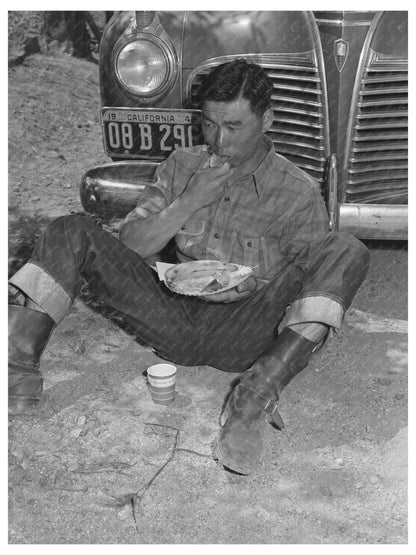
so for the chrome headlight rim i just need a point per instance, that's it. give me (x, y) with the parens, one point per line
(171, 63)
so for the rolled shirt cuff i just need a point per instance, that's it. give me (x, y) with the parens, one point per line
(44, 290)
(314, 309)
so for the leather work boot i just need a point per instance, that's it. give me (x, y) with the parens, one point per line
(239, 443)
(29, 332)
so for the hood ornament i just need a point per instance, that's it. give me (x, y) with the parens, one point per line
(341, 49)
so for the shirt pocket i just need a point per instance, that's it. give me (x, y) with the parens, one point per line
(252, 252)
(190, 233)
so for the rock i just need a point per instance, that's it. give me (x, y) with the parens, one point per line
(60, 479)
(17, 475)
(42, 452)
(18, 454)
(44, 481)
(325, 490)
(115, 342)
(76, 487)
(343, 528)
(374, 479)
(337, 464)
(81, 420)
(76, 432)
(125, 513)
(32, 45)
(382, 381)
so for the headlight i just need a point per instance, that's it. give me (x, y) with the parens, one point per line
(144, 66)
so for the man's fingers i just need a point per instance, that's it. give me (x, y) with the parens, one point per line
(247, 285)
(218, 171)
(203, 161)
(241, 291)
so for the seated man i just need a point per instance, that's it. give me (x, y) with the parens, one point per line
(251, 207)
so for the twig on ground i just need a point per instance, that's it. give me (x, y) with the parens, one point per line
(137, 498)
(192, 452)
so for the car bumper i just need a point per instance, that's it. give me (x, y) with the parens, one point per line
(114, 189)
(374, 221)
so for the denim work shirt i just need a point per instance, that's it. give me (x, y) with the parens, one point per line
(264, 220)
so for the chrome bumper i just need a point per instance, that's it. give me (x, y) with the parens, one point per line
(374, 221)
(114, 189)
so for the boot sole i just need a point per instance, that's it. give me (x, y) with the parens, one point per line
(228, 463)
(22, 408)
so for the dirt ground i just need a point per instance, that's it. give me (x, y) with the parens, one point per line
(99, 463)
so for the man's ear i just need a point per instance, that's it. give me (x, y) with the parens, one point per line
(267, 119)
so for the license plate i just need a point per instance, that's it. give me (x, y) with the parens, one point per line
(138, 132)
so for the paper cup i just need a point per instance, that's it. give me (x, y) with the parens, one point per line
(161, 379)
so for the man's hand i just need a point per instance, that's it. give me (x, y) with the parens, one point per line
(241, 291)
(206, 185)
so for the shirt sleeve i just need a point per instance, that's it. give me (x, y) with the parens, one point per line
(156, 196)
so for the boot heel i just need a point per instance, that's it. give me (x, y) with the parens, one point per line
(29, 332)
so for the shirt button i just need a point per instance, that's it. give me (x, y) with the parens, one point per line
(227, 198)
(249, 244)
(217, 236)
(183, 227)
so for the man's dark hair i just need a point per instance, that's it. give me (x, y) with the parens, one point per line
(239, 78)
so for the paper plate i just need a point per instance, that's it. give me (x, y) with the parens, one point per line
(205, 277)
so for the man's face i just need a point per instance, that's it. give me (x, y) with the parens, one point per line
(232, 130)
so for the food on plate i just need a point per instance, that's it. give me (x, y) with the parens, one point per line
(205, 277)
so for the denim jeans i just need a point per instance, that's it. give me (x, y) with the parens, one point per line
(318, 286)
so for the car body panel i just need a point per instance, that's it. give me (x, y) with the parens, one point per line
(318, 63)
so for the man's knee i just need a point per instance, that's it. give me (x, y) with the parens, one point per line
(73, 222)
(355, 251)
(69, 228)
(341, 260)
(61, 232)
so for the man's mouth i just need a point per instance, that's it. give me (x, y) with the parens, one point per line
(222, 159)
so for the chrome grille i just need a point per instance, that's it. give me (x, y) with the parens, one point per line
(377, 163)
(300, 128)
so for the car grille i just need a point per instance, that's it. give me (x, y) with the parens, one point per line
(376, 157)
(300, 128)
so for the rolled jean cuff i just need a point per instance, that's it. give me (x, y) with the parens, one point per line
(42, 288)
(314, 309)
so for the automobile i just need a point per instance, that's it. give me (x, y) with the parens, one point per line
(339, 100)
